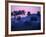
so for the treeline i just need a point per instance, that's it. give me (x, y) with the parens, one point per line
(23, 12)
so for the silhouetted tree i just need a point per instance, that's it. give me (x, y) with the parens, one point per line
(28, 14)
(14, 13)
(23, 12)
(11, 13)
(38, 13)
(19, 12)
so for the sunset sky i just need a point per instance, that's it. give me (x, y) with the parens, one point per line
(32, 9)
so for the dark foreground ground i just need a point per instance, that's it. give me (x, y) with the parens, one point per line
(31, 22)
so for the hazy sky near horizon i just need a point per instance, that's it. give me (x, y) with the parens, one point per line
(31, 9)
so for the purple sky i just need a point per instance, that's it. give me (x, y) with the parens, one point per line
(32, 9)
